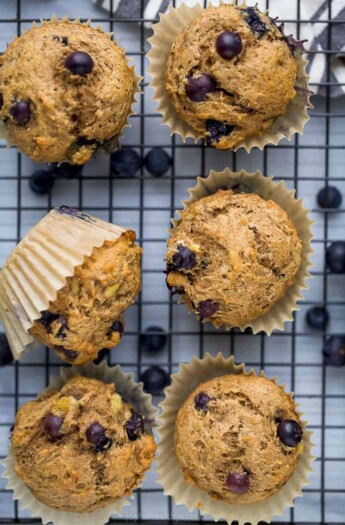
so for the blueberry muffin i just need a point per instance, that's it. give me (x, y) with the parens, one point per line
(65, 90)
(230, 73)
(238, 437)
(86, 315)
(232, 256)
(80, 448)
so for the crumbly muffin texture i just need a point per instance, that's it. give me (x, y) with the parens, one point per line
(75, 448)
(86, 315)
(53, 114)
(226, 438)
(232, 256)
(233, 88)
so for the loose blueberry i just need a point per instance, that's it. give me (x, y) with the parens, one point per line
(290, 432)
(317, 317)
(70, 355)
(237, 482)
(117, 326)
(254, 21)
(21, 112)
(102, 355)
(153, 339)
(52, 425)
(41, 182)
(184, 258)
(335, 257)
(155, 379)
(329, 197)
(217, 130)
(6, 357)
(197, 88)
(94, 433)
(228, 45)
(79, 63)
(1, 101)
(207, 308)
(157, 162)
(47, 318)
(135, 426)
(125, 162)
(334, 351)
(66, 170)
(201, 400)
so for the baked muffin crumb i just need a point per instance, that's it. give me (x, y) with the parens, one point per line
(232, 256)
(72, 449)
(230, 73)
(226, 438)
(86, 315)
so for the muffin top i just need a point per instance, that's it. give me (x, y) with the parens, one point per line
(65, 90)
(86, 315)
(238, 437)
(230, 74)
(232, 256)
(82, 447)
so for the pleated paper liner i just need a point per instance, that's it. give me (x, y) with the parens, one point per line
(170, 475)
(113, 143)
(164, 35)
(38, 267)
(282, 310)
(132, 393)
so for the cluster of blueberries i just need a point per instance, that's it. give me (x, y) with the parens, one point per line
(95, 434)
(125, 163)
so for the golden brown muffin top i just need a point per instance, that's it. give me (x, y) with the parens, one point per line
(70, 115)
(232, 256)
(82, 447)
(230, 98)
(226, 438)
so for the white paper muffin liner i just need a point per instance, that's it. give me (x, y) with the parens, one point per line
(132, 393)
(4, 134)
(170, 475)
(266, 187)
(38, 267)
(164, 34)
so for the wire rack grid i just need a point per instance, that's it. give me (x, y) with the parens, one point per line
(146, 204)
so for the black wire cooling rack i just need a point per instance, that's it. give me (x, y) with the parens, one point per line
(146, 204)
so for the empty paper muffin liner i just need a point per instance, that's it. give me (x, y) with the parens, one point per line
(113, 143)
(38, 267)
(132, 393)
(164, 35)
(170, 475)
(266, 187)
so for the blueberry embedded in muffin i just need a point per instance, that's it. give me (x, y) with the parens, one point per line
(86, 315)
(238, 437)
(72, 448)
(230, 74)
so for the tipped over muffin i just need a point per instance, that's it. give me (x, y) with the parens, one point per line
(86, 315)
